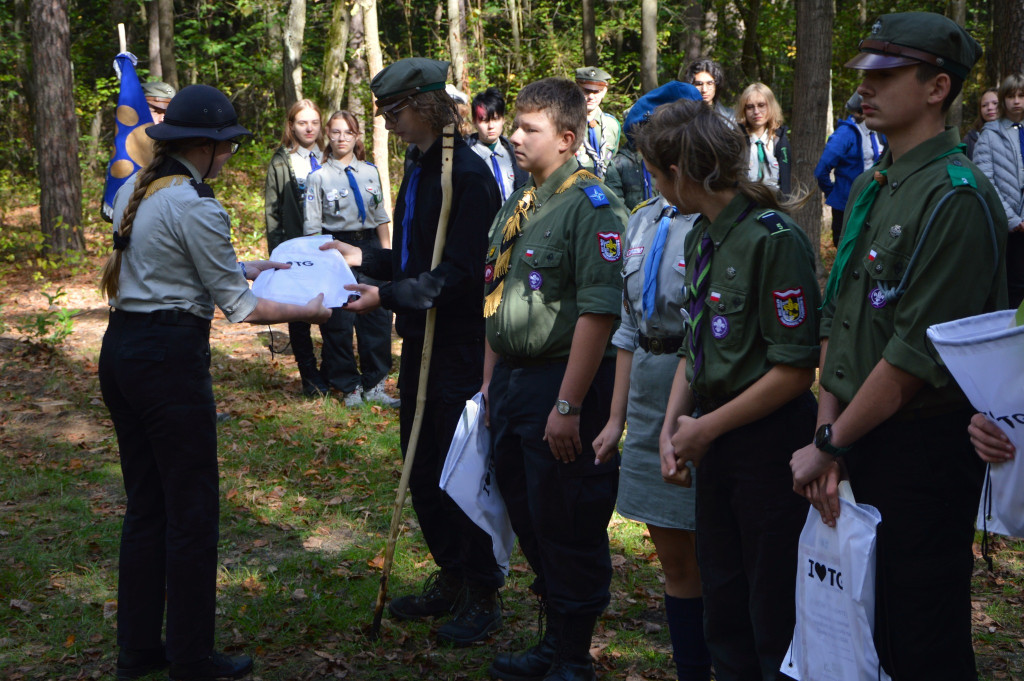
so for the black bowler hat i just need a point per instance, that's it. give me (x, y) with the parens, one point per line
(199, 111)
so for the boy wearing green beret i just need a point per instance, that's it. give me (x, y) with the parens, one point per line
(918, 249)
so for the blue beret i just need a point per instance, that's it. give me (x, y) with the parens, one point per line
(669, 92)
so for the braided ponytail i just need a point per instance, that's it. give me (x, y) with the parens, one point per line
(109, 281)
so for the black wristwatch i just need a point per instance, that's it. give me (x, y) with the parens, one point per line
(566, 409)
(823, 441)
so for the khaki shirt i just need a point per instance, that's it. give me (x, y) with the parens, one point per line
(566, 263)
(956, 274)
(331, 204)
(762, 303)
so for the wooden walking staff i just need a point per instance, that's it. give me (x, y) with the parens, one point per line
(447, 154)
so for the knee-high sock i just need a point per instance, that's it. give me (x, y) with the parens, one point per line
(686, 627)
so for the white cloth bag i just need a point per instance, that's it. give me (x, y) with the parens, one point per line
(312, 271)
(985, 354)
(833, 639)
(468, 478)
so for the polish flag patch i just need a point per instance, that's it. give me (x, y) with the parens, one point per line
(872, 255)
(715, 296)
(529, 252)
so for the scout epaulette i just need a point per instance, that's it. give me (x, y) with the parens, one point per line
(773, 221)
(164, 182)
(960, 175)
(643, 203)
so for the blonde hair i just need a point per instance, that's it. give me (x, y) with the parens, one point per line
(708, 149)
(775, 118)
(288, 140)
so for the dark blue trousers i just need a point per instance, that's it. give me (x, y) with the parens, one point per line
(155, 380)
(456, 374)
(559, 511)
(748, 531)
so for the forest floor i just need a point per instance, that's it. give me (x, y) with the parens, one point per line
(307, 488)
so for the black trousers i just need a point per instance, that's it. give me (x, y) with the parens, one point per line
(924, 477)
(155, 380)
(1015, 267)
(373, 335)
(456, 374)
(559, 511)
(748, 532)
(837, 227)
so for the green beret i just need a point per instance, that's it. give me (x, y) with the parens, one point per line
(158, 90)
(917, 38)
(592, 74)
(405, 78)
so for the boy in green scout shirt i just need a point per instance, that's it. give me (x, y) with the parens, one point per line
(554, 287)
(918, 249)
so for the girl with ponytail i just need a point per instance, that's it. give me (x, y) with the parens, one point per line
(172, 262)
(740, 402)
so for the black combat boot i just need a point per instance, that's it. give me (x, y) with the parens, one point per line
(476, 616)
(214, 668)
(437, 598)
(534, 662)
(313, 384)
(131, 664)
(572, 654)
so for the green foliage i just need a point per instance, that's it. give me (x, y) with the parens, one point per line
(52, 326)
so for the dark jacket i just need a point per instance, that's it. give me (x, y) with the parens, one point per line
(520, 175)
(460, 298)
(282, 201)
(844, 153)
(784, 155)
(637, 184)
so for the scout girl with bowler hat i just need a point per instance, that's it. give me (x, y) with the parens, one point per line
(172, 262)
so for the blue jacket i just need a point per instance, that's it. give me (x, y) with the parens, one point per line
(844, 154)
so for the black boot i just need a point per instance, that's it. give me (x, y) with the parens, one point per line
(534, 662)
(131, 664)
(476, 616)
(313, 384)
(572, 654)
(437, 598)
(216, 666)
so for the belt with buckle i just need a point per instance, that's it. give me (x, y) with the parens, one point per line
(166, 317)
(661, 346)
(355, 235)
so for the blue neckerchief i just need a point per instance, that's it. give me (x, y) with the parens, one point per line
(355, 190)
(653, 262)
(497, 175)
(874, 146)
(648, 185)
(410, 208)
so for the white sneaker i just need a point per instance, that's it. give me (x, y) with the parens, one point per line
(354, 398)
(377, 394)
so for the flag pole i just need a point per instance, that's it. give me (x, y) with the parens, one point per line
(120, 35)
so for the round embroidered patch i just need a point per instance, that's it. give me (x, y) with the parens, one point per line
(488, 273)
(719, 327)
(536, 280)
(877, 298)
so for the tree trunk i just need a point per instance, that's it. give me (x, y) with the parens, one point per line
(515, 18)
(649, 44)
(60, 178)
(168, 65)
(589, 34)
(455, 44)
(375, 61)
(404, 5)
(156, 67)
(335, 65)
(357, 80)
(1006, 57)
(294, 30)
(811, 88)
(691, 43)
(750, 61)
(958, 13)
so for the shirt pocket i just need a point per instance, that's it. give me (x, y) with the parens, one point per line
(725, 316)
(884, 267)
(542, 266)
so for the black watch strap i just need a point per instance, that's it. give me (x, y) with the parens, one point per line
(823, 441)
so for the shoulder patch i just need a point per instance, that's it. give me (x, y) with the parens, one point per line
(773, 221)
(961, 175)
(369, 164)
(596, 195)
(610, 246)
(643, 204)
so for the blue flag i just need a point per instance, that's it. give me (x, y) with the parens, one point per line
(132, 147)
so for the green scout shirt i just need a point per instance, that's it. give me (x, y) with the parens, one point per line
(953, 277)
(567, 262)
(762, 303)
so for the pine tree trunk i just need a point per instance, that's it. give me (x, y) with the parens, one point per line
(156, 67)
(691, 43)
(60, 178)
(957, 11)
(294, 30)
(589, 34)
(1006, 56)
(335, 65)
(515, 18)
(357, 80)
(750, 61)
(168, 64)
(649, 44)
(456, 45)
(811, 88)
(375, 61)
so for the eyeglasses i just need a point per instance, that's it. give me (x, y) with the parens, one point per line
(392, 115)
(703, 84)
(342, 134)
(760, 106)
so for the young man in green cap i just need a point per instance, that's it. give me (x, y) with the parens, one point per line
(411, 96)
(158, 96)
(918, 249)
(554, 289)
(600, 141)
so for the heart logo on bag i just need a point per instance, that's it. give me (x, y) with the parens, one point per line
(821, 570)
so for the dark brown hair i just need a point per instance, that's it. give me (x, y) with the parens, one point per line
(561, 99)
(437, 109)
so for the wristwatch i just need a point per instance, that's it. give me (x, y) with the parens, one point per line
(566, 409)
(823, 441)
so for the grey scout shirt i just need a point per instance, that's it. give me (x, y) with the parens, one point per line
(666, 321)
(180, 256)
(331, 203)
(506, 180)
